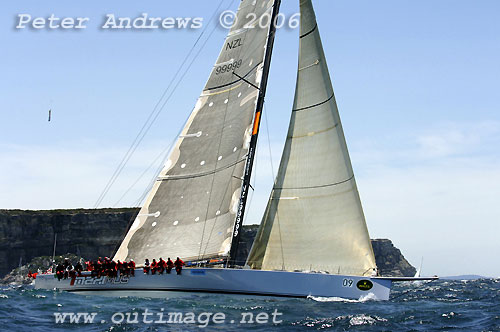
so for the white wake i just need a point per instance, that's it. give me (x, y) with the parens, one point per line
(365, 298)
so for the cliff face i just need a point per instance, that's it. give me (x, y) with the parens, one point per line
(248, 234)
(93, 233)
(390, 260)
(89, 233)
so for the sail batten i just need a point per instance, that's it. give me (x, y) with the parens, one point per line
(197, 192)
(314, 219)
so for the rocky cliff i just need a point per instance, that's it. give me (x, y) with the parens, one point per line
(89, 233)
(390, 260)
(25, 235)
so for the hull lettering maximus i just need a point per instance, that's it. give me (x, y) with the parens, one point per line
(81, 281)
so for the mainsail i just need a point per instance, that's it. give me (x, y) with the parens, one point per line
(314, 220)
(191, 209)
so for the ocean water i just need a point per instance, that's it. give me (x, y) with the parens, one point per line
(432, 306)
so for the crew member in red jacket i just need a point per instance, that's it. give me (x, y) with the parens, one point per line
(131, 266)
(119, 268)
(146, 267)
(154, 266)
(178, 265)
(161, 265)
(90, 266)
(125, 268)
(170, 265)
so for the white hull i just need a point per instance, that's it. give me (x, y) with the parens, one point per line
(229, 281)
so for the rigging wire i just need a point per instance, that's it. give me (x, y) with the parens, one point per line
(152, 181)
(269, 144)
(164, 153)
(274, 184)
(266, 121)
(156, 111)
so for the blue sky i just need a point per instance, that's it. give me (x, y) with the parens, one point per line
(417, 84)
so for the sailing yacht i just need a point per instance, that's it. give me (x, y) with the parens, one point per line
(313, 239)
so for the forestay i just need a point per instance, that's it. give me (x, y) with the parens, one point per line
(314, 219)
(190, 211)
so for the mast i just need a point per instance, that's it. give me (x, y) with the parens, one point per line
(253, 142)
(54, 251)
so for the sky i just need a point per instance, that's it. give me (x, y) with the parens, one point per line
(416, 82)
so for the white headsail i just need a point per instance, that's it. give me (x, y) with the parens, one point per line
(191, 209)
(314, 219)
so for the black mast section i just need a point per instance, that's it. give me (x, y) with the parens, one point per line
(253, 142)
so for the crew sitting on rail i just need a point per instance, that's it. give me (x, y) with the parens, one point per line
(124, 269)
(99, 263)
(161, 265)
(60, 271)
(79, 268)
(154, 266)
(67, 267)
(170, 265)
(178, 265)
(146, 267)
(101, 267)
(93, 267)
(108, 267)
(90, 266)
(71, 273)
(105, 266)
(119, 268)
(112, 269)
(131, 266)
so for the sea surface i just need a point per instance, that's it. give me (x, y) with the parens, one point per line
(431, 306)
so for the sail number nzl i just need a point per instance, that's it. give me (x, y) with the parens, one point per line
(229, 67)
